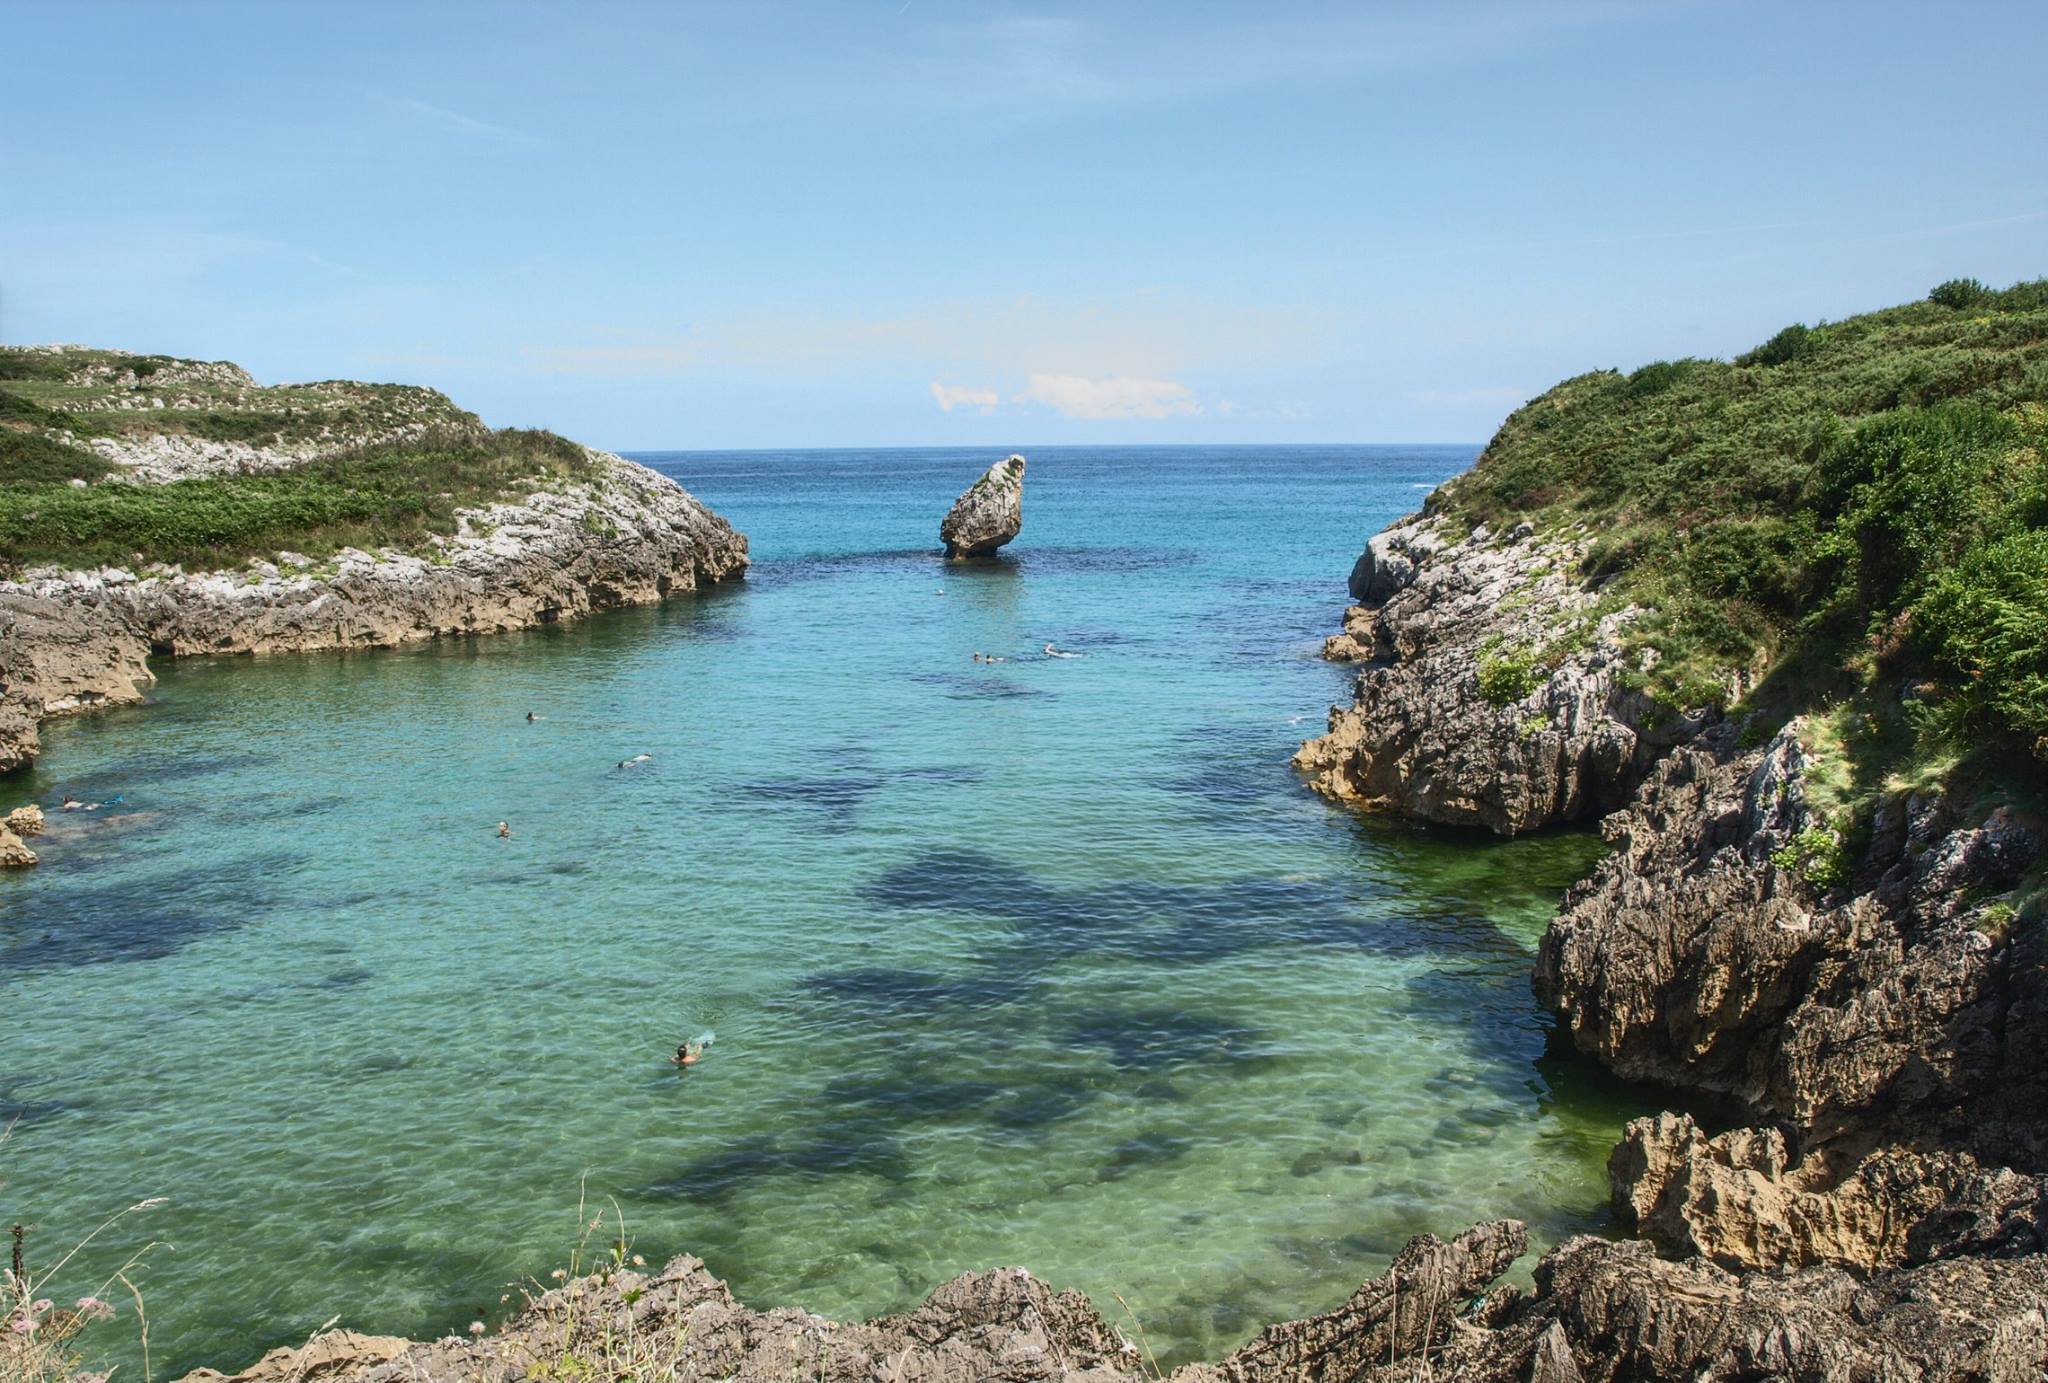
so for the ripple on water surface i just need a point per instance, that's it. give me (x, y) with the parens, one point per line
(1047, 962)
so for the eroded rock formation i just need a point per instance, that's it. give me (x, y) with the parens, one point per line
(988, 514)
(1492, 693)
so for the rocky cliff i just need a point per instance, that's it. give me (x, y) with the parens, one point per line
(72, 638)
(1871, 1002)
(1494, 691)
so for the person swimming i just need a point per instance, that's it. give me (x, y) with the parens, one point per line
(71, 804)
(1052, 652)
(636, 759)
(531, 717)
(504, 830)
(687, 1054)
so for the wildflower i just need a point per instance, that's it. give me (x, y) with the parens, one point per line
(476, 1327)
(25, 1325)
(92, 1308)
(42, 1304)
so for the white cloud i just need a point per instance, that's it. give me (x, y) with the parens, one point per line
(1077, 396)
(952, 396)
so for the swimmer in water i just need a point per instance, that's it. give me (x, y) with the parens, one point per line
(504, 830)
(636, 759)
(530, 716)
(687, 1054)
(71, 804)
(1052, 652)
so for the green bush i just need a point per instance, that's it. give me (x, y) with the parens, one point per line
(1986, 619)
(1505, 678)
(1817, 855)
(1793, 343)
(1959, 293)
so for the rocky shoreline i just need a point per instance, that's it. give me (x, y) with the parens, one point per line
(1881, 1026)
(73, 640)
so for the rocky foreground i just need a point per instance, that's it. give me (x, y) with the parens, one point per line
(1880, 1025)
(1601, 1311)
(75, 639)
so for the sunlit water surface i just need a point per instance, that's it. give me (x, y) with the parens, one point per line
(1049, 962)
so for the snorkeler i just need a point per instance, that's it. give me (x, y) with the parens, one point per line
(71, 804)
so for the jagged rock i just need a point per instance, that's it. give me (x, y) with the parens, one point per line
(14, 852)
(1000, 1327)
(1887, 1007)
(1737, 1200)
(1406, 1311)
(1563, 736)
(1388, 565)
(71, 640)
(1607, 1313)
(26, 821)
(1354, 645)
(988, 514)
(333, 1354)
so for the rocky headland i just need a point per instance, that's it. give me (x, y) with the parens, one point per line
(988, 514)
(531, 533)
(1823, 902)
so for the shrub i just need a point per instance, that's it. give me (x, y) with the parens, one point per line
(1505, 678)
(1959, 293)
(1793, 343)
(1817, 855)
(1987, 620)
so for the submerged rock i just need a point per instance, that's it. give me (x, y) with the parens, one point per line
(989, 514)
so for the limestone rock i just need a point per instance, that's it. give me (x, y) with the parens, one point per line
(1561, 737)
(988, 514)
(1886, 1007)
(14, 852)
(72, 640)
(1737, 1200)
(26, 821)
(331, 1354)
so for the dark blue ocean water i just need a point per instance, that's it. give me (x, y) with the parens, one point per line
(1042, 962)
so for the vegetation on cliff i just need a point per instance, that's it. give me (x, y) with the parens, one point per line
(1851, 519)
(338, 464)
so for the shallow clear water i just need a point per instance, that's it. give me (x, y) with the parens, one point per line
(1049, 962)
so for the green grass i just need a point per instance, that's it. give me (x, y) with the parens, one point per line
(1851, 518)
(388, 496)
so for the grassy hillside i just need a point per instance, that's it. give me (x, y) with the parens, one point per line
(1855, 513)
(372, 465)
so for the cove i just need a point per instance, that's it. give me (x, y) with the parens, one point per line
(1043, 962)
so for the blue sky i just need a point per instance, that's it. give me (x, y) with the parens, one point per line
(679, 225)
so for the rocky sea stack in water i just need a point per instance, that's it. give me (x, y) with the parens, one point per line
(989, 514)
(1809, 700)
(149, 504)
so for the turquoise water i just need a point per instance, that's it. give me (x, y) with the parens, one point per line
(1047, 962)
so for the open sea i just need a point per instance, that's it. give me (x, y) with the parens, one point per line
(1047, 962)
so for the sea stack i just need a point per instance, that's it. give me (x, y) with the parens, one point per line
(989, 514)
